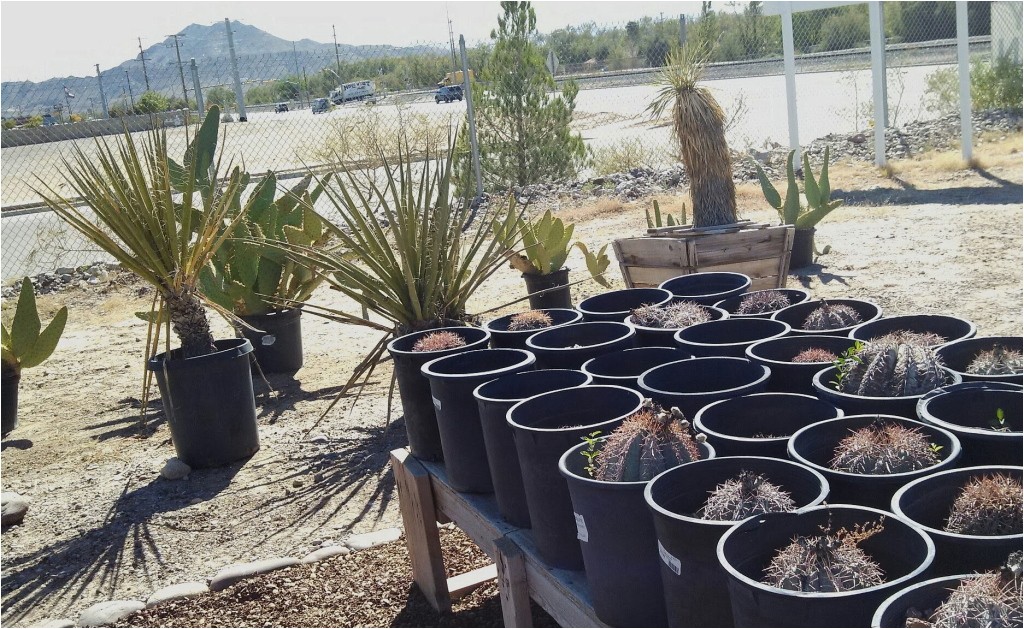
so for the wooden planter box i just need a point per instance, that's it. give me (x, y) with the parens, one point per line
(754, 249)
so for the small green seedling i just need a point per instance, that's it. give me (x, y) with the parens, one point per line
(591, 451)
(998, 423)
(845, 362)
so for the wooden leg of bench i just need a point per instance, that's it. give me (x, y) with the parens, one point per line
(416, 501)
(512, 585)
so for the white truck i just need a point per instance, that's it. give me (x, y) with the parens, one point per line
(357, 90)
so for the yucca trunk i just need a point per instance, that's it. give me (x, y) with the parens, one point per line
(700, 127)
(189, 322)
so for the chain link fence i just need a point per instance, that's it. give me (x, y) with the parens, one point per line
(308, 107)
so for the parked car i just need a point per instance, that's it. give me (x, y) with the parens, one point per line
(448, 93)
(280, 108)
(321, 105)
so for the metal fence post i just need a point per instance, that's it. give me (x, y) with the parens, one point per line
(239, 97)
(878, 77)
(472, 120)
(195, 85)
(103, 97)
(789, 63)
(964, 70)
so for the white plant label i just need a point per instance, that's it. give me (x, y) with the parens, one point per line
(268, 339)
(581, 528)
(437, 402)
(670, 561)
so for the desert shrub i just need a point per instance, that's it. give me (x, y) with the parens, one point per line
(623, 156)
(995, 85)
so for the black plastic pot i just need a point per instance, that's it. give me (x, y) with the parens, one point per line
(903, 552)
(617, 304)
(620, 549)
(452, 381)
(760, 424)
(796, 315)
(803, 248)
(967, 410)
(707, 288)
(731, 305)
(927, 503)
(277, 344)
(728, 337)
(777, 354)
(665, 337)
(815, 446)
(414, 388)
(209, 403)
(501, 336)
(695, 383)
(545, 426)
(555, 287)
(949, 327)
(624, 367)
(693, 580)
(494, 398)
(9, 401)
(852, 404)
(569, 346)
(958, 355)
(921, 597)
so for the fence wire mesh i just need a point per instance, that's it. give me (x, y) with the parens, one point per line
(313, 106)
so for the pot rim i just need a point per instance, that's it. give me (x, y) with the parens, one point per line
(564, 269)
(984, 341)
(765, 374)
(751, 351)
(666, 295)
(234, 348)
(483, 398)
(951, 389)
(525, 359)
(629, 331)
(591, 387)
(818, 378)
(707, 450)
(629, 320)
(803, 291)
(612, 355)
(489, 325)
(972, 330)
(460, 328)
(697, 419)
(736, 574)
(731, 321)
(728, 275)
(876, 619)
(836, 331)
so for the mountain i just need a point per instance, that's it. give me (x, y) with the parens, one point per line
(261, 56)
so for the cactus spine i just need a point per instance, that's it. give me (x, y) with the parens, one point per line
(647, 443)
(884, 448)
(831, 317)
(890, 370)
(762, 301)
(988, 505)
(678, 315)
(529, 320)
(437, 341)
(990, 599)
(745, 495)
(997, 361)
(830, 562)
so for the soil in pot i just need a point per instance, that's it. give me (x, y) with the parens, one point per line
(977, 359)
(452, 381)
(548, 291)
(924, 602)
(624, 367)
(728, 337)
(707, 288)
(656, 326)
(606, 479)
(760, 424)
(545, 426)
(512, 330)
(209, 403)
(901, 551)
(276, 340)
(692, 578)
(9, 401)
(971, 514)
(837, 319)
(414, 388)
(568, 347)
(694, 383)
(762, 304)
(987, 418)
(867, 458)
(941, 329)
(795, 359)
(494, 398)
(615, 305)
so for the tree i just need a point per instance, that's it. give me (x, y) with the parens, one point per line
(220, 96)
(151, 102)
(523, 121)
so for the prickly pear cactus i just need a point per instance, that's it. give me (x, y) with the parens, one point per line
(997, 361)
(831, 317)
(762, 301)
(649, 442)
(890, 370)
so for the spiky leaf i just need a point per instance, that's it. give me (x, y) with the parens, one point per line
(47, 340)
(25, 326)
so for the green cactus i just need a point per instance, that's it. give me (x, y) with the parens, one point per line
(541, 246)
(997, 361)
(668, 221)
(23, 345)
(647, 443)
(250, 278)
(818, 194)
(890, 370)
(831, 317)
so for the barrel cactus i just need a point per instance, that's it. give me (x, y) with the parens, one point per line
(884, 448)
(889, 370)
(830, 562)
(815, 355)
(438, 341)
(647, 443)
(997, 361)
(990, 599)
(678, 315)
(927, 339)
(988, 505)
(745, 495)
(762, 301)
(529, 320)
(831, 317)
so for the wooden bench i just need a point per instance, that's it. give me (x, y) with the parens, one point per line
(426, 498)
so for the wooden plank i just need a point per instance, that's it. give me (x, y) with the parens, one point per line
(626, 277)
(513, 586)
(462, 584)
(415, 499)
(739, 247)
(767, 267)
(653, 252)
(647, 276)
(476, 514)
(562, 593)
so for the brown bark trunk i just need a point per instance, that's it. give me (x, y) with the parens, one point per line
(189, 322)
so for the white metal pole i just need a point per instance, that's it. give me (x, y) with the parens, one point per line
(239, 97)
(964, 69)
(789, 62)
(103, 97)
(200, 105)
(467, 89)
(878, 78)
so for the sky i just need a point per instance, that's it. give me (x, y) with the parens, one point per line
(43, 39)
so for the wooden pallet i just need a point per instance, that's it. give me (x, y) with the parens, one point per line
(754, 249)
(426, 498)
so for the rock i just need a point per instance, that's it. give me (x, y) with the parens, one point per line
(108, 612)
(175, 469)
(55, 623)
(13, 508)
(65, 277)
(318, 438)
(64, 270)
(325, 552)
(374, 538)
(232, 574)
(297, 483)
(174, 592)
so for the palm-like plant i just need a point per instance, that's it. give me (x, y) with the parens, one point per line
(162, 220)
(699, 125)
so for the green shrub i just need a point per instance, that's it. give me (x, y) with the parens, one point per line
(623, 156)
(993, 86)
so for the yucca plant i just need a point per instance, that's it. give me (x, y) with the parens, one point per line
(699, 125)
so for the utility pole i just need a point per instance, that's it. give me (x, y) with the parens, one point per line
(130, 94)
(239, 97)
(103, 97)
(181, 67)
(295, 56)
(337, 56)
(142, 56)
(195, 85)
(474, 149)
(451, 39)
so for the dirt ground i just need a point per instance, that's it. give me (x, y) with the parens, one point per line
(921, 237)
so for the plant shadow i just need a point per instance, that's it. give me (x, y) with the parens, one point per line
(17, 444)
(131, 421)
(1006, 192)
(816, 270)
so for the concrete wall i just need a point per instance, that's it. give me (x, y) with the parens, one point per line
(1007, 23)
(91, 128)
